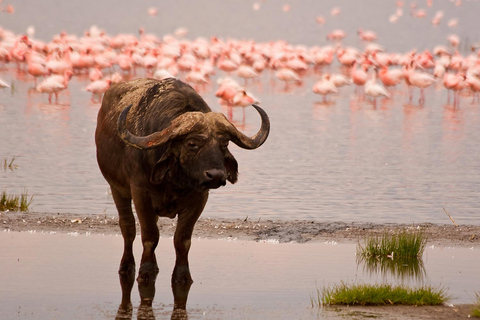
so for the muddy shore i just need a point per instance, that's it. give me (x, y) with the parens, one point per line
(283, 232)
(243, 229)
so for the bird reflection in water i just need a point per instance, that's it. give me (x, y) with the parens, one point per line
(147, 293)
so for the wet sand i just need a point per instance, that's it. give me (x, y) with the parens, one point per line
(64, 266)
(284, 231)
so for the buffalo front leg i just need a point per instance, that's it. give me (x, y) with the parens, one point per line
(127, 227)
(150, 235)
(182, 241)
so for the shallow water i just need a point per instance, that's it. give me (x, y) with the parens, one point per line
(54, 276)
(345, 161)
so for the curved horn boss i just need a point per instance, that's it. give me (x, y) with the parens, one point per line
(185, 123)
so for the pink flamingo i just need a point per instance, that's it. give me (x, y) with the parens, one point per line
(336, 35)
(359, 76)
(18, 52)
(455, 83)
(246, 72)
(367, 35)
(375, 89)
(473, 82)
(227, 90)
(417, 79)
(324, 87)
(390, 77)
(61, 62)
(287, 75)
(242, 99)
(54, 85)
(226, 65)
(161, 74)
(197, 77)
(98, 88)
(36, 69)
(95, 74)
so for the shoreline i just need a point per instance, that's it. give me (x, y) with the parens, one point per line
(283, 231)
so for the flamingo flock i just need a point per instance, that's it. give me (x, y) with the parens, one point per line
(232, 65)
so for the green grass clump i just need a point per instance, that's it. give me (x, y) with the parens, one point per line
(476, 306)
(377, 295)
(403, 245)
(14, 202)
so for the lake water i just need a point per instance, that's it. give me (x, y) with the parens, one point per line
(345, 161)
(42, 279)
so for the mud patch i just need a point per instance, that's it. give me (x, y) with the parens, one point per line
(244, 229)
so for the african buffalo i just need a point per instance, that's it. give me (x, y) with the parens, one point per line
(159, 144)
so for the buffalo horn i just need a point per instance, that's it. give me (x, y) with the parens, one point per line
(180, 125)
(258, 139)
(184, 124)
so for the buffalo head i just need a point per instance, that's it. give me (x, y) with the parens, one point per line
(196, 148)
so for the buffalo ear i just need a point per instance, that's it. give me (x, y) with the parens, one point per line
(231, 166)
(160, 169)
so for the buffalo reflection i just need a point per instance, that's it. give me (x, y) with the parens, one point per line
(147, 294)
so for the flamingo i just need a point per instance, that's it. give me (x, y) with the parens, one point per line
(418, 79)
(339, 80)
(161, 74)
(54, 85)
(98, 88)
(390, 77)
(116, 77)
(324, 87)
(227, 90)
(95, 74)
(3, 84)
(246, 72)
(336, 35)
(242, 99)
(367, 35)
(287, 75)
(375, 89)
(61, 62)
(359, 76)
(225, 64)
(197, 77)
(35, 68)
(347, 56)
(473, 82)
(455, 83)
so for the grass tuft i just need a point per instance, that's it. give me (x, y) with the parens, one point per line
(382, 294)
(476, 306)
(403, 245)
(14, 202)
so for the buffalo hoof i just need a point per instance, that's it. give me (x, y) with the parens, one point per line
(181, 276)
(148, 272)
(179, 314)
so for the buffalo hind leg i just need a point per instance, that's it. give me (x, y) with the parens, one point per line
(150, 235)
(127, 227)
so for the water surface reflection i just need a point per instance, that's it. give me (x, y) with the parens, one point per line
(146, 290)
(400, 270)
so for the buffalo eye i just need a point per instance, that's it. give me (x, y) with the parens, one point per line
(193, 146)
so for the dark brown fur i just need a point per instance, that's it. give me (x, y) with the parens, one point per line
(166, 181)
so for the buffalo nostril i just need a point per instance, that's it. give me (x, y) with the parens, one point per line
(216, 175)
